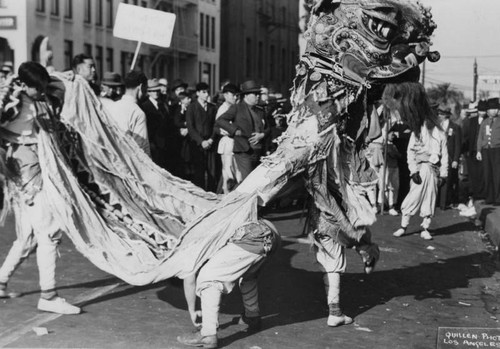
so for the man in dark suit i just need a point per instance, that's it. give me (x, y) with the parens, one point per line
(200, 119)
(245, 122)
(448, 193)
(162, 134)
(488, 151)
(471, 127)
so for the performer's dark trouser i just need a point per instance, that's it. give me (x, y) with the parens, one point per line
(491, 161)
(448, 193)
(476, 177)
(247, 162)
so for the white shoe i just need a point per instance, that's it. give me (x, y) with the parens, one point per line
(58, 305)
(425, 235)
(469, 212)
(393, 212)
(400, 232)
(335, 321)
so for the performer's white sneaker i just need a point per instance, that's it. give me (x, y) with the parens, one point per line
(400, 232)
(335, 321)
(58, 305)
(426, 235)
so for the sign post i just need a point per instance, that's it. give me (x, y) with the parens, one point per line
(144, 26)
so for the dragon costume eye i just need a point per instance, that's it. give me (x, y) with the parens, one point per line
(379, 28)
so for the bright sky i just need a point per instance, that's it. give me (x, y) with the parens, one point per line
(466, 29)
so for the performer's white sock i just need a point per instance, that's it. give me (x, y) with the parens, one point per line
(210, 303)
(332, 287)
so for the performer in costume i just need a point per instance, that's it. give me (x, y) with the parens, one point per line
(427, 154)
(36, 225)
(240, 261)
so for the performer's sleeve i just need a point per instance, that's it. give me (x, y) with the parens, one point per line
(412, 161)
(267, 127)
(443, 170)
(140, 132)
(193, 133)
(225, 121)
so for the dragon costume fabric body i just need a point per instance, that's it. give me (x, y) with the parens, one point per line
(138, 222)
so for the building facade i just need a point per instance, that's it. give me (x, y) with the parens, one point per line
(86, 26)
(260, 42)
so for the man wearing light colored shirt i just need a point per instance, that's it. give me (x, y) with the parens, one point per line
(128, 116)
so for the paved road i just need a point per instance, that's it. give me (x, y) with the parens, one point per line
(418, 286)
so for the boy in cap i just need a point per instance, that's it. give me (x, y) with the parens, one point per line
(200, 118)
(488, 151)
(471, 126)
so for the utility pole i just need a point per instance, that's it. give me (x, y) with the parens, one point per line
(474, 82)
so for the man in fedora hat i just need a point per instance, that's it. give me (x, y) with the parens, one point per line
(475, 116)
(246, 124)
(111, 86)
(161, 130)
(200, 119)
(126, 112)
(448, 193)
(488, 151)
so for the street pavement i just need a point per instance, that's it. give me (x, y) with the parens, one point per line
(418, 286)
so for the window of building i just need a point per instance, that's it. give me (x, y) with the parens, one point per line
(283, 64)
(205, 73)
(68, 9)
(207, 31)
(213, 33)
(124, 62)
(144, 3)
(109, 9)
(87, 49)
(98, 12)
(98, 59)
(136, 2)
(109, 59)
(271, 62)
(68, 53)
(40, 5)
(54, 7)
(87, 9)
(248, 56)
(202, 29)
(214, 74)
(260, 59)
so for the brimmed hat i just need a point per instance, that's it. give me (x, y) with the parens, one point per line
(163, 82)
(202, 86)
(178, 83)
(471, 108)
(231, 88)
(482, 105)
(112, 79)
(250, 86)
(493, 103)
(7, 67)
(153, 85)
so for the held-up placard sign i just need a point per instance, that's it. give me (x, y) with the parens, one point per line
(144, 25)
